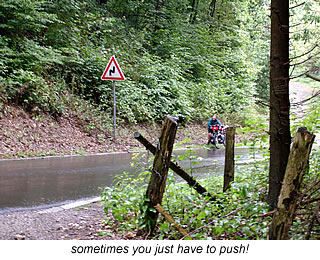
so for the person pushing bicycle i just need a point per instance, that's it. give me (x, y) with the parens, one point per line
(213, 121)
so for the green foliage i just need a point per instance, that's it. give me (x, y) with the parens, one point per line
(238, 213)
(235, 215)
(173, 65)
(178, 60)
(25, 61)
(259, 37)
(34, 93)
(258, 129)
(24, 18)
(305, 37)
(310, 118)
(122, 198)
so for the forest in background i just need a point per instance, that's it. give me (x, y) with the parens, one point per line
(183, 58)
(179, 58)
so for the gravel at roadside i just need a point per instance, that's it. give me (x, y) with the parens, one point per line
(80, 223)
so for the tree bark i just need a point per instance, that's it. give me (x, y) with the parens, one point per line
(176, 168)
(296, 168)
(279, 125)
(212, 7)
(194, 11)
(160, 169)
(229, 159)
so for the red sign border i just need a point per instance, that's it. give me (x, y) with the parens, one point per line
(113, 59)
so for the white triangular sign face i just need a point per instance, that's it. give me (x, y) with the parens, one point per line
(113, 71)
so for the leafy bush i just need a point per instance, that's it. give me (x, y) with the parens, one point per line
(235, 214)
(34, 93)
(239, 213)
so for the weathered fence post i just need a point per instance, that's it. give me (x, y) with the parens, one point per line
(160, 169)
(229, 159)
(296, 168)
(176, 168)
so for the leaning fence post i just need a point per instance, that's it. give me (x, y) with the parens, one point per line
(296, 168)
(229, 159)
(160, 169)
(192, 182)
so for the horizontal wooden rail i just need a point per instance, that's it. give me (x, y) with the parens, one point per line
(177, 169)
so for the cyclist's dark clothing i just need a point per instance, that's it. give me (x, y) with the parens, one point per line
(212, 123)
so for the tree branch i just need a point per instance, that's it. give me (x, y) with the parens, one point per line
(296, 5)
(313, 188)
(171, 220)
(295, 25)
(312, 77)
(299, 63)
(315, 216)
(306, 100)
(306, 53)
(310, 201)
(260, 102)
(300, 75)
(267, 214)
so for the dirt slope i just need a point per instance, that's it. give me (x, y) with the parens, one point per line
(24, 135)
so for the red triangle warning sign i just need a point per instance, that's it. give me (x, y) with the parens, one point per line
(113, 71)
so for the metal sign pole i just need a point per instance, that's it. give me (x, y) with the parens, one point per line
(113, 72)
(114, 110)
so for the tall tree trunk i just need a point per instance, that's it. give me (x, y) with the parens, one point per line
(212, 7)
(194, 11)
(279, 126)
